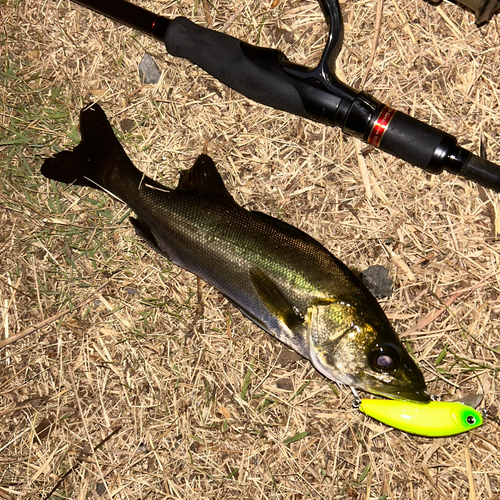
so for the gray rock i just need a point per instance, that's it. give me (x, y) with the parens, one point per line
(376, 279)
(148, 70)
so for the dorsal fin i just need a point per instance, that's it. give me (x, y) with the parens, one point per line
(203, 178)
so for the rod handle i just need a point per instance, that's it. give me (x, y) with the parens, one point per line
(429, 148)
(225, 58)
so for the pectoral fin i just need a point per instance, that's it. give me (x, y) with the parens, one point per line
(274, 300)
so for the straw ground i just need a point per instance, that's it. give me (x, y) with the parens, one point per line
(138, 381)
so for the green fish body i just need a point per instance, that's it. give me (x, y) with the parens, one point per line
(278, 276)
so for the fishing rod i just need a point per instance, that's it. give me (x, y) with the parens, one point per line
(266, 76)
(483, 9)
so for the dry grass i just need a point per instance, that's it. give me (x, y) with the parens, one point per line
(128, 396)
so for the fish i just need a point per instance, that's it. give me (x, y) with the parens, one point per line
(279, 277)
(433, 419)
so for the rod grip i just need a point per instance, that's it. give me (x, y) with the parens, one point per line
(224, 58)
(411, 140)
(429, 148)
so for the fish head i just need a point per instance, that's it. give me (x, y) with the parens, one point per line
(357, 346)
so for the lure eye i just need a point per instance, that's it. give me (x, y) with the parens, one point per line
(384, 358)
(471, 420)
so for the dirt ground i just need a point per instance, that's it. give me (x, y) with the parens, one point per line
(129, 379)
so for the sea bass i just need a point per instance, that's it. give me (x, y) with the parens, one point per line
(279, 277)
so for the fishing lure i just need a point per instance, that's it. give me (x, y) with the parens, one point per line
(433, 419)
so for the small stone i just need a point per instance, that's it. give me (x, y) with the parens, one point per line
(376, 279)
(148, 70)
(285, 383)
(287, 356)
(100, 489)
(142, 448)
(43, 428)
(127, 125)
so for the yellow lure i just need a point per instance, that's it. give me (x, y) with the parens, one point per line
(434, 419)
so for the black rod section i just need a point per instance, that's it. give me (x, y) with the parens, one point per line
(131, 15)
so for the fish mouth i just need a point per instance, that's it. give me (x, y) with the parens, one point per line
(410, 390)
(419, 396)
(406, 383)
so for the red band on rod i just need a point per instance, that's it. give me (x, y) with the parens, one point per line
(381, 124)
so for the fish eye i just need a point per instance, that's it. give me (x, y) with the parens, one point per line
(384, 361)
(384, 358)
(471, 420)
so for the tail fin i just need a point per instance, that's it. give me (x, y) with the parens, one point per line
(98, 152)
